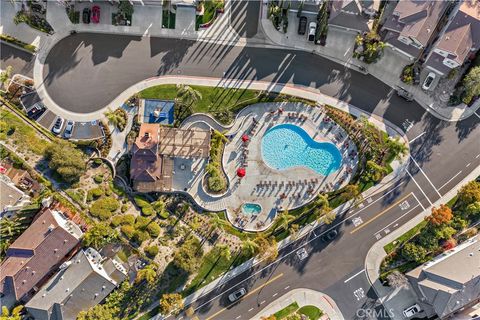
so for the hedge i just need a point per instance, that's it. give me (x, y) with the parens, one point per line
(151, 251)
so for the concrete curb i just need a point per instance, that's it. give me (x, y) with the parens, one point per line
(376, 254)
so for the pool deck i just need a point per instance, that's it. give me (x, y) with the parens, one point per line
(274, 190)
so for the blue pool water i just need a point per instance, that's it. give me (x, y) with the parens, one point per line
(286, 146)
(251, 208)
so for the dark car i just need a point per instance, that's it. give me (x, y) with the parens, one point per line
(330, 236)
(35, 112)
(302, 26)
(36, 7)
(416, 74)
(86, 15)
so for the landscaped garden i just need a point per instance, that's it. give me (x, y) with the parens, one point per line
(209, 9)
(447, 226)
(294, 312)
(216, 180)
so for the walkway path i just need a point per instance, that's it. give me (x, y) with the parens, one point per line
(303, 297)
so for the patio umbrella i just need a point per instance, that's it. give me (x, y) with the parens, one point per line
(245, 138)
(241, 172)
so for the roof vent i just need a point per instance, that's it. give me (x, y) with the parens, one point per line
(43, 295)
(68, 289)
(103, 287)
(147, 134)
(51, 227)
(471, 254)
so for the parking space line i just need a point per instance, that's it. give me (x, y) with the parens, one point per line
(421, 205)
(443, 185)
(421, 134)
(275, 294)
(418, 186)
(423, 172)
(250, 309)
(286, 288)
(380, 214)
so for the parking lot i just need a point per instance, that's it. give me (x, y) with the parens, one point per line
(46, 118)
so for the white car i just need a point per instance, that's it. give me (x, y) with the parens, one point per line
(312, 28)
(411, 311)
(57, 127)
(428, 81)
(69, 129)
(234, 296)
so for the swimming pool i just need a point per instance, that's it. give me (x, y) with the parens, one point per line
(287, 146)
(251, 208)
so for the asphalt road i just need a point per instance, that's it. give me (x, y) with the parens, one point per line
(84, 72)
(21, 61)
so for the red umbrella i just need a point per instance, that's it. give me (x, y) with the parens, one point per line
(241, 172)
(245, 138)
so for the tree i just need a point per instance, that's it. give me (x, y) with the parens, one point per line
(267, 248)
(186, 257)
(414, 253)
(224, 252)
(293, 230)
(216, 222)
(16, 313)
(126, 7)
(66, 160)
(374, 172)
(284, 220)
(441, 215)
(5, 76)
(397, 279)
(148, 274)
(351, 191)
(99, 235)
(469, 193)
(249, 246)
(187, 97)
(99, 312)
(328, 218)
(471, 82)
(171, 303)
(118, 118)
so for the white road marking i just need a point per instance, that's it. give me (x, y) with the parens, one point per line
(262, 302)
(356, 274)
(286, 288)
(250, 309)
(359, 293)
(468, 165)
(443, 185)
(477, 114)
(275, 294)
(426, 176)
(478, 155)
(378, 236)
(421, 134)
(403, 215)
(421, 205)
(419, 187)
(404, 205)
(357, 221)
(238, 317)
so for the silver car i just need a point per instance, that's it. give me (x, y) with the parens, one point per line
(57, 127)
(234, 296)
(69, 129)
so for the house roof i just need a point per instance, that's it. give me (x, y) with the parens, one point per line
(416, 19)
(451, 277)
(80, 284)
(435, 61)
(31, 257)
(9, 195)
(348, 14)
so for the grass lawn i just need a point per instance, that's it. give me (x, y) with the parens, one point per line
(291, 308)
(312, 312)
(20, 133)
(404, 237)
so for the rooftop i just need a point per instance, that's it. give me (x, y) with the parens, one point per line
(9, 195)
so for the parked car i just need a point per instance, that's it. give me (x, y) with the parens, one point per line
(69, 129)
(57, 127)
(95, 14)
(427, 83)
(86, 15)
(330, 236)
(234, 296)
(302, 25)
(401, 92)
(416, 74)
(35, 112)
(411, 311)
(312, 28)
(38, 8)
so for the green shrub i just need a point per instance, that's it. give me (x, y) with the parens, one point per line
(97, 161)
(98, 178)
(139, 236)
(128, 231)
(163, 214)
(124, 208)
(142, 222)
(148, 210)
(94, 194)
(153, 229)
(104, 207)
(140, 201)
(151, 251)
(119, 191)
(127, 219)
(116, 221)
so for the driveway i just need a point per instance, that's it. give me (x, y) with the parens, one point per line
(21, 61)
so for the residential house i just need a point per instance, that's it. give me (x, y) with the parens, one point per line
(20, 177)
(450, 282)
(460, 40)
(32, 258)
(81, 283)
(350, 15)
(413, 26)
(12, 199)
(154, 150)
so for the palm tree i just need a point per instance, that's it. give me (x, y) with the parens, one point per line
(216, 222)
(112, 117)
(284, 220)
(328, 218)
(5, 75)
(187, 96)
(293, 230)
(224, 252)
(249, 246)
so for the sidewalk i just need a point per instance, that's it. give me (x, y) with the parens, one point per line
(339, 48)
(376, 254)
(304, 297)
